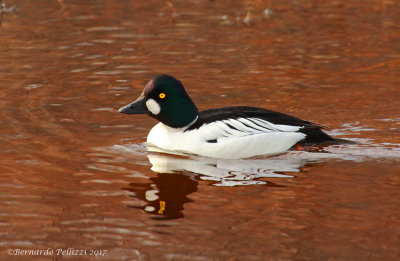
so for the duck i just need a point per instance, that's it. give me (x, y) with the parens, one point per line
(234, 132)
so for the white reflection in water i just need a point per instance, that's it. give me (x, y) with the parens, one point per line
(226, 172)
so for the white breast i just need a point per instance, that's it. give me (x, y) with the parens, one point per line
(230, 139)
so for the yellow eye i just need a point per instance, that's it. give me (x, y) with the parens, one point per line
(161, 95)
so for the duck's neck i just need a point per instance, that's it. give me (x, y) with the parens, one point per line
(181, 116)
(184, 128)
(191, 123)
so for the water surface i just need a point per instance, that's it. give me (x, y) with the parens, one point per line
(76, 174)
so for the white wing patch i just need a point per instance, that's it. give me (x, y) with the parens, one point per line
(243, 127)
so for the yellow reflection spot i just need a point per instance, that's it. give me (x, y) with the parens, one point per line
(162, 207)
(161, 95)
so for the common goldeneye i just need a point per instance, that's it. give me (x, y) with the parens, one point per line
(231, 132)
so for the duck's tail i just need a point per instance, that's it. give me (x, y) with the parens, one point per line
(315, 136)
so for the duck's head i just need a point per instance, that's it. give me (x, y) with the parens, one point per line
(165, 99)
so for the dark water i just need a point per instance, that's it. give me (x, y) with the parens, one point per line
(75, 174)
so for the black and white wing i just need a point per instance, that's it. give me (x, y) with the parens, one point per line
(242, 120)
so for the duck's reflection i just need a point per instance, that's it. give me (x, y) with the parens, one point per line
(177, 177)
(227, 172)
(165, 195)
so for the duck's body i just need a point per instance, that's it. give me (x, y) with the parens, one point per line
(231, 132)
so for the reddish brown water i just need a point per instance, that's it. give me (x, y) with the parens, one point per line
(75, 174)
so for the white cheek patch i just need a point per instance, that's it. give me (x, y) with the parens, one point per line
(153, 106)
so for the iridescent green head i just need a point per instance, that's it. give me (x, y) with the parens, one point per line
(165, 99)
